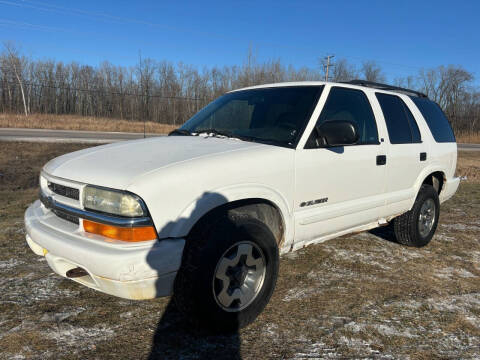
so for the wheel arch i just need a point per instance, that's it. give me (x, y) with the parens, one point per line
(436, 179)
(262, 209)
(435, 176)
(267, 204)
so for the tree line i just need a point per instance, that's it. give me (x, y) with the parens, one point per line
(164, 92)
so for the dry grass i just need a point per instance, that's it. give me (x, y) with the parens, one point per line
(358, 296)
(468, 137)
(75, 122)
(468, 165)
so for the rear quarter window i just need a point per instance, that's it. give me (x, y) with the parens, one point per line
(436, 119)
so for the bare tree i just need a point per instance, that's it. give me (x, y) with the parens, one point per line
(344, 71)
(409, 82)
(371, 71)
(171, 93)
(449, 87)
(17, 64)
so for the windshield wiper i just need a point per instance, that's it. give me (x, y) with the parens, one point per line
(215, 132)
(260, 140)
(181, 132)
(247, 138)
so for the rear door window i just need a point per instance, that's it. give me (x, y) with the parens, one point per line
(401, 125)
(436, 119)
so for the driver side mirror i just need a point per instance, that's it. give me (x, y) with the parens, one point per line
(336, 133)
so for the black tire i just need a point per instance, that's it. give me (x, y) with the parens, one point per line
(406, 226)
(194, 288)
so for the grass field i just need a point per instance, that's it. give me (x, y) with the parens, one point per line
(356, 296)
(74, 122)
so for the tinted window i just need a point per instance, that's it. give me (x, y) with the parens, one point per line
(351, 105)
(401, 125)
(436, 119)
(270, 115)
(416, 138)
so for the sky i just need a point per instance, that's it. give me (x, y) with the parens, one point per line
(401, 36)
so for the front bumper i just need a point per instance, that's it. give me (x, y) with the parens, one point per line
(132, 271)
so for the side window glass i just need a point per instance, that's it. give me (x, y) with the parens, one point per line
(398, 125)
(416, 137)
(351, 105)
(436, 119)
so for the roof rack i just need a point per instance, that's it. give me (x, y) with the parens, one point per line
(385, 87)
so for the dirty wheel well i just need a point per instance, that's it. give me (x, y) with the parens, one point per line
(436, 180)
(262, 209)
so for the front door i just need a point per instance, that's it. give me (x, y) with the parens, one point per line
(339, 188)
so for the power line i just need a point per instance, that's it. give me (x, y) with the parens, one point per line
(101, 91)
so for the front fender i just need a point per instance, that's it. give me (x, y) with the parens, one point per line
(215, 198)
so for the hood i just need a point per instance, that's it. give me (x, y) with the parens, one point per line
(117, 165)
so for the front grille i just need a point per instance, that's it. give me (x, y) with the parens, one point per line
(65, 216)
(66, 191)
(49, 204)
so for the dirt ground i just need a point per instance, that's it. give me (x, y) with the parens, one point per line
(360, 296)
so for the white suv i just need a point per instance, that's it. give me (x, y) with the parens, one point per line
(205, 212)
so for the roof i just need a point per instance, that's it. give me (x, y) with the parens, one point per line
(356, 84)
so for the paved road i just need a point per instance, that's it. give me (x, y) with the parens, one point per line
(73, 136)
(100, 137)
(469, 147)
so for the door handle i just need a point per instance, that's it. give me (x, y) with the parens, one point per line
(381, 159)
(423, 156)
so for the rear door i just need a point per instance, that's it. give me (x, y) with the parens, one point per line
(406, 155)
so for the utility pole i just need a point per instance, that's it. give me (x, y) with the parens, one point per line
(327, 66)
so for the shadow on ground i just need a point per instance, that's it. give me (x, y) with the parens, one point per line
(175, 339)
(174, 336)
(384, 232)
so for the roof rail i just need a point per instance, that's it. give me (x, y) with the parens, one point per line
(385, 87)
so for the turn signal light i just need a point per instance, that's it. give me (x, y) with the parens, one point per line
(130, 234)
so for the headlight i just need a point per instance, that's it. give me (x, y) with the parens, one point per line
(112, 202)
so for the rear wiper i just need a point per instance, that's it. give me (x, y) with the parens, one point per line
(180, 132)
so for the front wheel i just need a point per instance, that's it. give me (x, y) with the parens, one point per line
(417, 226)
(228, 273)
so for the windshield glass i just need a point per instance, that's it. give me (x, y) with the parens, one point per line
(270, 115)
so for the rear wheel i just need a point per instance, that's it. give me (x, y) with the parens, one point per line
(417, 226)
(228, 273)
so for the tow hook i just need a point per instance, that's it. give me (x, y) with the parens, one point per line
(76, 272)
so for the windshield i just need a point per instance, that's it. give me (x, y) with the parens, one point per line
(270, 115)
